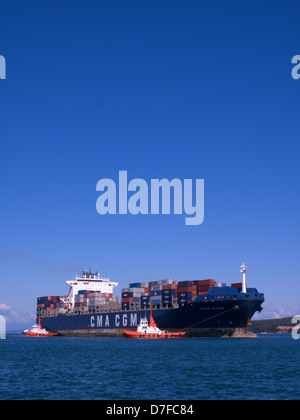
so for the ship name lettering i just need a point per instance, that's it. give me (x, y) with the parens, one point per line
(99, 321)
(117, 320)
(133, 320)
(107, 321)
(92, 323)
(125, 320)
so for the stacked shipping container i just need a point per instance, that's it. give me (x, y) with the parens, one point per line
(47, 302)
(169, 294)
(91, 299)
(158, 293)
(135, 294)
(164, 292)
(238, 285)
(203, 286)
(186, 292)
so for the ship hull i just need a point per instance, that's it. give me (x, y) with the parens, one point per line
(197, 319)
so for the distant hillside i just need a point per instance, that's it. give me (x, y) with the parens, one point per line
(269, 325)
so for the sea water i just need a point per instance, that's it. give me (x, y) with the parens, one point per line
(163, 369)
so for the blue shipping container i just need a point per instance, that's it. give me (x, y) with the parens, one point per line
(185, 295)
(164, 301)
(156, 302)
(127, 294)
(185, 283)
(133, 285)
(156, 292)
(169, 292)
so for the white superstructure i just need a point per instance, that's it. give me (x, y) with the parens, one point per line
(144, 328)
(88, 281)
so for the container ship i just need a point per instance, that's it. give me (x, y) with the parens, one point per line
(199, 307)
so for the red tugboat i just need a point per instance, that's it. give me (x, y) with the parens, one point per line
(38, 331)
(151, 330)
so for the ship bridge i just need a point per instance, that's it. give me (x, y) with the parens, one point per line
(89, 281)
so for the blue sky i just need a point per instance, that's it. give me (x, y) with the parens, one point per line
(162, 89)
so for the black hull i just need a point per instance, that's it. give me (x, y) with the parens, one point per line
(199, 319)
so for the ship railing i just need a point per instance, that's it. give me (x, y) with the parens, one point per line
(104, 308)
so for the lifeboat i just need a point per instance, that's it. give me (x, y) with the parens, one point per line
(151, 330)
(38, 331)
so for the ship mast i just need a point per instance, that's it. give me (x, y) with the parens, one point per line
(244, 284)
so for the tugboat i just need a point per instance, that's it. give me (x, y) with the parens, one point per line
(38, 331)
(151, 330)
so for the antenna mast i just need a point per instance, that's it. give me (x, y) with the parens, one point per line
(244, 284)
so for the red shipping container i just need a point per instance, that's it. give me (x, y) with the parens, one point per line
(208, 282)
(169, 287)
(128, 299)
(205, 287)
(236, 285)
(204, 291)
(192, 289)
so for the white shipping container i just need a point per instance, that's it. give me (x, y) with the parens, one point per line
(137, 289)
(157, 297)
(156, 287)
(166, 281)
(154, 283)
